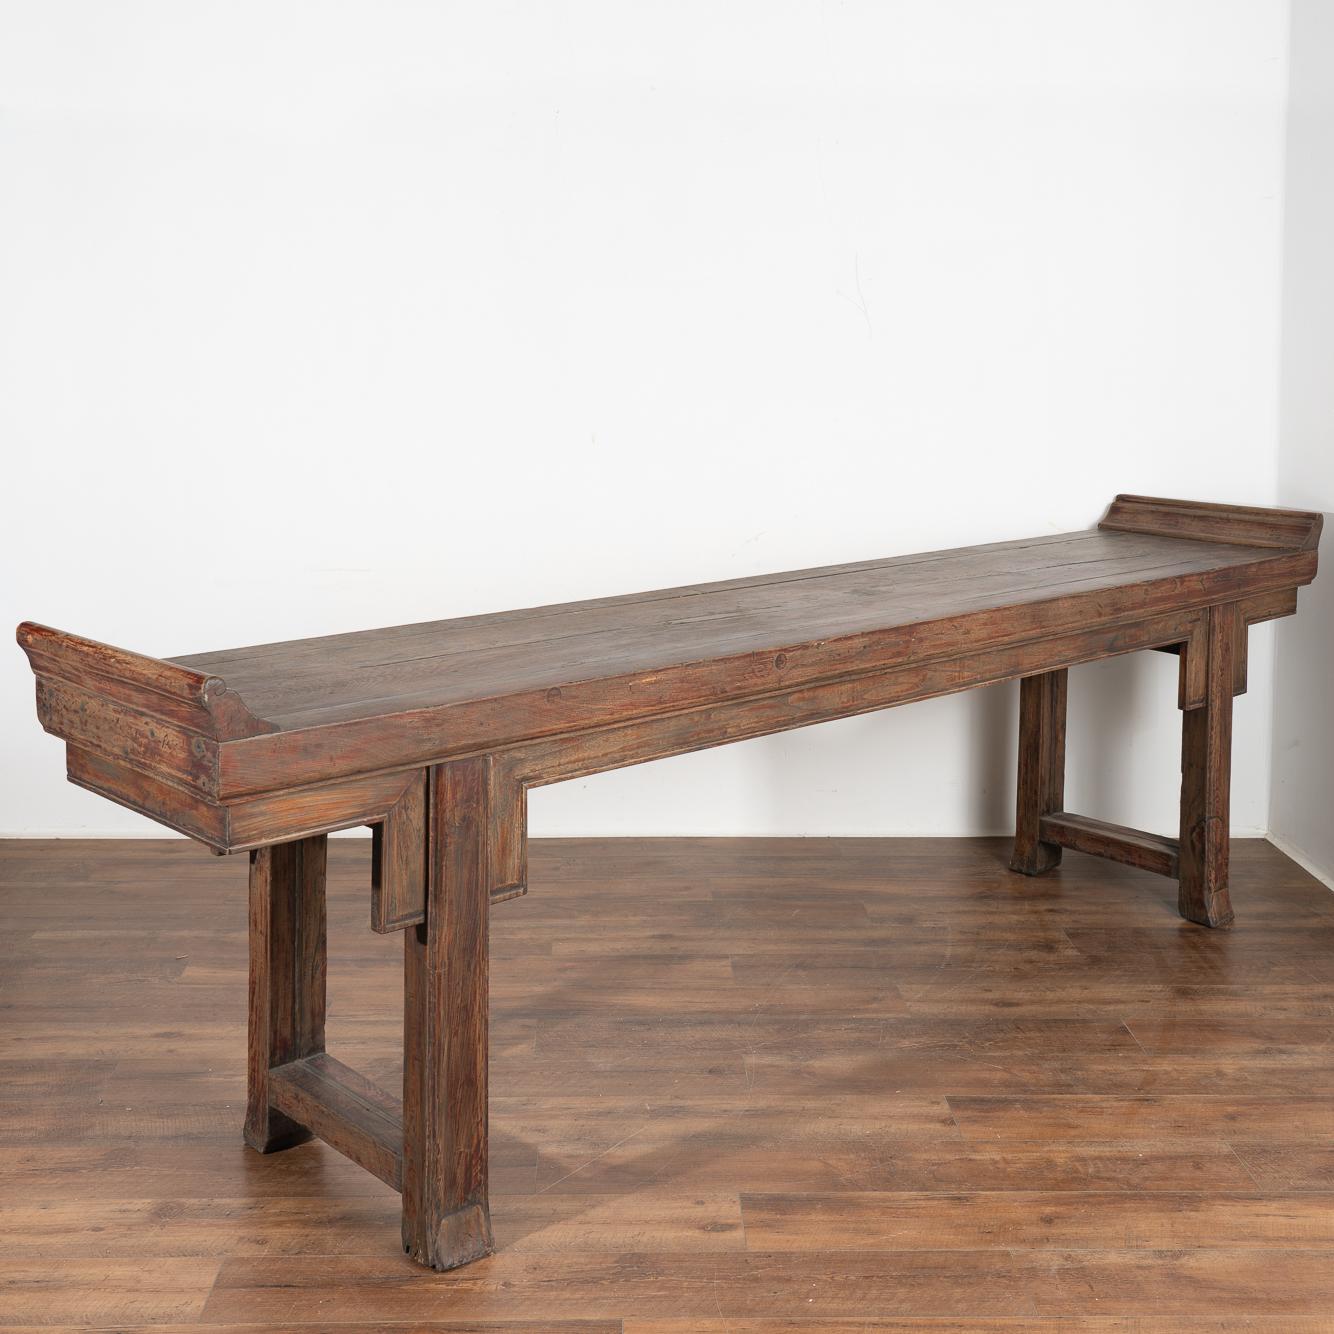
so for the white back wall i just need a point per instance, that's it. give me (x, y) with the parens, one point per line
(322, 317)
(1302, 812)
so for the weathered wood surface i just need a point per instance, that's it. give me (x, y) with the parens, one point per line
(1250, 525)
(287, 979)
(446, 1216)
(1100, 838)
(399, 857)
(216, 744)
(937, 1095)
(1206, 767)
(345, 1110)
(433, 733)
(1040, 789)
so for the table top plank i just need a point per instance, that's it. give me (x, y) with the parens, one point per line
(336, 678)
(232, 746)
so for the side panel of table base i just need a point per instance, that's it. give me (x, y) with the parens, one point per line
(1212, 671)
(434, 1146)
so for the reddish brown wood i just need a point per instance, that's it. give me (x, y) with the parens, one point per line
(287, 978)
(595, 751)
(1240, 652)
(345, 1110)
(398, 860)
(246, 822)
(509, 827)
(155, 797)
(310, 736)
(1041, 786)
(1191, 690)
(195, 700)
(1206, 757)
(1133, 847)
(384, 700)
(353, 801)
(1247, 525)
(1190, 674)
(1268, 606)
(446, 1213)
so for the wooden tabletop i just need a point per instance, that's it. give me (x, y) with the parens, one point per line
(336, 678)
(277, 716)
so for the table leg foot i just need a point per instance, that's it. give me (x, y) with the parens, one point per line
(275, 1132)
(1207, 910)
(456, 1239)
(1043, 857)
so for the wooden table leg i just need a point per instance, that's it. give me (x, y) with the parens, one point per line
(287, 977)
(1041, 769)
(446, 1213)
(1206, 766)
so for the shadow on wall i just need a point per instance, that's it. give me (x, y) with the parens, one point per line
(1101, 734)
(1109, 702)
(886, 749)
(1122, 755)
(993, 746)
(1112, 703)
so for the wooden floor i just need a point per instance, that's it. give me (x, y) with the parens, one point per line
(750, 1085)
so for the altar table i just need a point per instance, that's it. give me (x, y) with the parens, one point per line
(432, 734)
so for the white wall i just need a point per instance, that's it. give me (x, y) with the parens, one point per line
(1302, 809)
(317, 317)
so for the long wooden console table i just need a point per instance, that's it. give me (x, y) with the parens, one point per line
(432, 734)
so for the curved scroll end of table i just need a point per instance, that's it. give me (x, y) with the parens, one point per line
(146, 733)
(1240, 525)
(85, 669)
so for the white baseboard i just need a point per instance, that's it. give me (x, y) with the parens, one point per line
(1307, 863)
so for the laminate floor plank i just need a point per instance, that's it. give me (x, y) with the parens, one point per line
(369, 1327)
(1070, 1220)
(103, 1292)
(1000, 1325)
(747, 1085)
